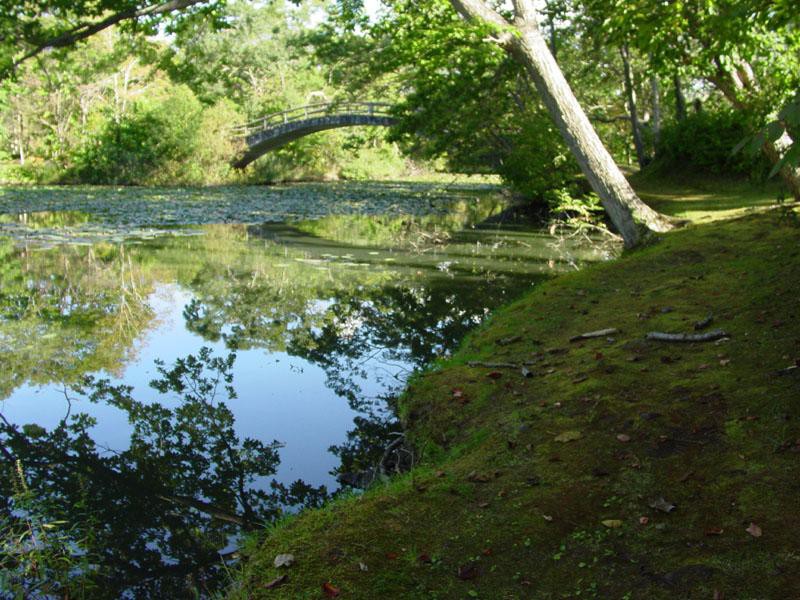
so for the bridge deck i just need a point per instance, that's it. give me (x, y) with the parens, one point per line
(275, 130)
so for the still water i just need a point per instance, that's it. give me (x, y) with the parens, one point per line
(243, 348)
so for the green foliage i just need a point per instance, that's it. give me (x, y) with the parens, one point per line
(787, 123)
(39, 556)
(167, 139)
(463, 101)
(705, 141)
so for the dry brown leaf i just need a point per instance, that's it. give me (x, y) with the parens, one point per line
(754, 530)
(330, 590)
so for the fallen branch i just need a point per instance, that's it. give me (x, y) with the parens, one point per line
(500, 365)
(493, 365)
(594, 334)
(704, 323)
(711, 336)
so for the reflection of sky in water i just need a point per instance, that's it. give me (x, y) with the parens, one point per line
(280, 397)
(440, 288)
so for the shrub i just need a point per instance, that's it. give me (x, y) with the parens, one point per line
(704, 142)
(169, 139)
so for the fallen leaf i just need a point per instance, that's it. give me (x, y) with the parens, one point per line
(754, 530)
(283, 560)
(277, 582)
(612, 523)
(483, 505)
(362, 567)
(568, 436)
(476, 478)
(547, 518)
(623, 437)
(714, 531)
(330, 590)
(424, 559)
(494, 375)
(391, 555)
(644, 520)
(486, 551)
(440, 474)
(662, 505)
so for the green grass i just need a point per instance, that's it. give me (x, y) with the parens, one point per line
(712, 428)
(703, 199)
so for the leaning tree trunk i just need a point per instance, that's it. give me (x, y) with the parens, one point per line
(630, 215)
(633, 111)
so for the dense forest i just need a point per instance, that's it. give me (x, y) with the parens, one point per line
(694, 87)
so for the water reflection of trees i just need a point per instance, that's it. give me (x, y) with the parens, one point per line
(149, 520)
(152, 517)
(359, 334)
(66, 313)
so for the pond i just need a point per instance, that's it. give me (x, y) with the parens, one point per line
(179, 366)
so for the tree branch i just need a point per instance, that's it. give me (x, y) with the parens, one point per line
(85, 30)
(475, 10)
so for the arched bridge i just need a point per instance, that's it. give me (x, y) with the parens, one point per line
(275, 130)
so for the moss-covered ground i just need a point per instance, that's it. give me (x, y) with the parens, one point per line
(622, 468)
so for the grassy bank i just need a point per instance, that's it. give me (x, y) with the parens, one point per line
(622, 468)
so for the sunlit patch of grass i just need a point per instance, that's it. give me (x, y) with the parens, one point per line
(704, 199)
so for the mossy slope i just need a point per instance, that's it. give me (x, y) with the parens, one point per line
(500, 509)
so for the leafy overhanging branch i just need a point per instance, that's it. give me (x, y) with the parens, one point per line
(85, 29)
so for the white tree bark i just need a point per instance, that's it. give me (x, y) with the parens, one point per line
(523, 40)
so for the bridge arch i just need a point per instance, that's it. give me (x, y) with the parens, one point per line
(277, 129)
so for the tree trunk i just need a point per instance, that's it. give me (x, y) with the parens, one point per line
(553, 43)
(630, 215)
(680, 99)
(655, 89)
(775, 151)
(630, 94)
(20, 140)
